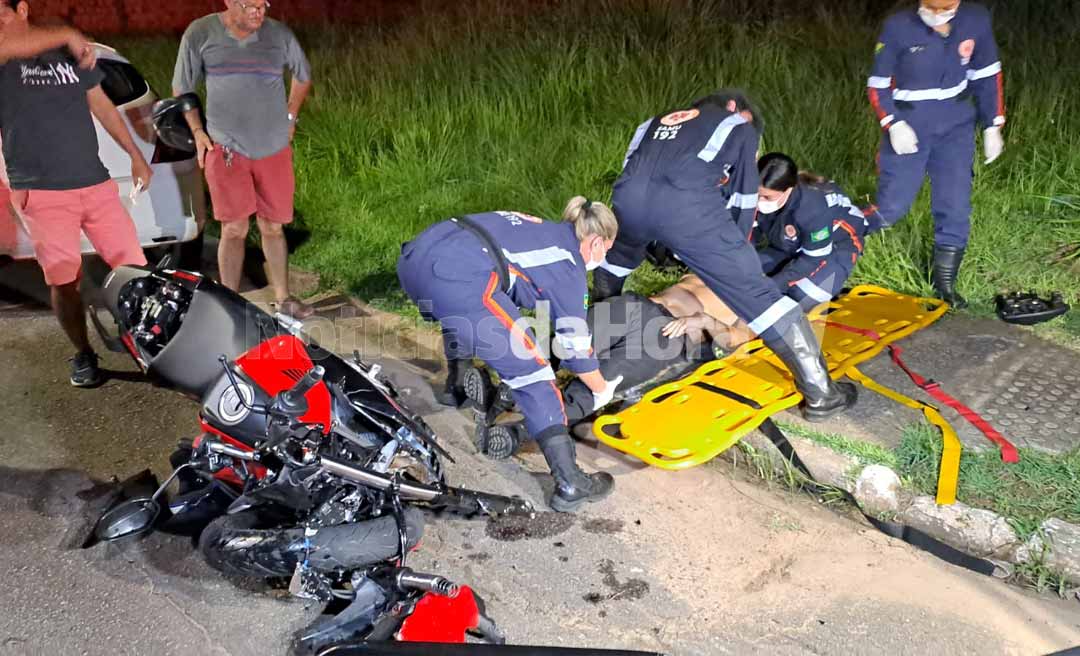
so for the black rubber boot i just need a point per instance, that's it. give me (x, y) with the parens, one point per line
(822, 397)
(573, 487)
(947, 261)
(453, 391)
(605, 285)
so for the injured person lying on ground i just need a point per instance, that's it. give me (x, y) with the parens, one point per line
(646, 340)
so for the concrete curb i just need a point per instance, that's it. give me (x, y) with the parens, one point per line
(975, 531)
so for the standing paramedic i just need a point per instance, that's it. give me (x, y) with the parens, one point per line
(929, 64)
(48, 102)
(246, 145)
(690, 182)
(472, 273)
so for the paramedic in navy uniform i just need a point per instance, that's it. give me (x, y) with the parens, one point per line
(690, 182)
(929, 65)
(473, 272)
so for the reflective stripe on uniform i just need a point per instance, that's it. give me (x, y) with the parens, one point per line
(541, 257)
(719, 137)
(915, 95)
(817, 252)
(809, 288)
(992, 69)
(742, 201)
(578, 343)
(538, 376)
(876, 82)
(615, 269)
(774, 313)
(639, 134)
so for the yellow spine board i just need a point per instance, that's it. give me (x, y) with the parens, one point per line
(689, 421)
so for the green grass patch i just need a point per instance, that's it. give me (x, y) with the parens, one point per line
(1027, 493)
(482, 108)
(866, 452)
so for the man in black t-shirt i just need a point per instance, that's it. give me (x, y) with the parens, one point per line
(59, 187)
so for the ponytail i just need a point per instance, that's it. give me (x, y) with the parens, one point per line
(590, 218)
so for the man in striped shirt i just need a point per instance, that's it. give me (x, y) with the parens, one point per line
(245, 146)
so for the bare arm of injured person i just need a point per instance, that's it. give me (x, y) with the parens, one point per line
(699, 313)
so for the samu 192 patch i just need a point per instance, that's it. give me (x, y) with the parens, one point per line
(820, 235)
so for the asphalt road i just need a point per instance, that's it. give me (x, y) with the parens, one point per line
(704, 561)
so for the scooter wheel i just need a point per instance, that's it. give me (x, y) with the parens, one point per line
(478, 388)
(502, 442)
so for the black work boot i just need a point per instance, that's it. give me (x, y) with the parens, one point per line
(453, 391)
(947, 261)
(605, 285)
(800, 351)
(573, 487)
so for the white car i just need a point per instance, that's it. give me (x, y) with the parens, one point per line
(174, 207)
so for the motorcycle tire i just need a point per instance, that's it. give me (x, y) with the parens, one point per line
(238, 546)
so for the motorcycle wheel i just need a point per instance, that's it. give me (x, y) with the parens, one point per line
(239, 545)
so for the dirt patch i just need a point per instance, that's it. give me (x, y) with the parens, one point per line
(481, 557)
(779, 570)
(511, 528)
(630, 589)
(601, 526)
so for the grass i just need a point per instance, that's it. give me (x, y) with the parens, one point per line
(1027, 493)
(487, 107)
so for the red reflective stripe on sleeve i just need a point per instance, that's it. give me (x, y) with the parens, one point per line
(1001, 94)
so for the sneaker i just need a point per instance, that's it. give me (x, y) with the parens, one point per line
(84, 369)
(295, 308)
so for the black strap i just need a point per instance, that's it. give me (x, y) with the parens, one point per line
(912, 536)
(502, 267)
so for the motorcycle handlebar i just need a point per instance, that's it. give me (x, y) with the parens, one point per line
(294, 397)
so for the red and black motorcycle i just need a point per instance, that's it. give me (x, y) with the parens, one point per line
(308, 466)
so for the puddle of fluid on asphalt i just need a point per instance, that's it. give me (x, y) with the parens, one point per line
(601, 526)
(630, 589)
(510, 528)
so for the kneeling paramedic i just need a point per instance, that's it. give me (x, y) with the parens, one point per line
(690, 182)
(472, 273)
(928, 64)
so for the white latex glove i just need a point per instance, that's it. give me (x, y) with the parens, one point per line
(993, 143)
(603, 398)
(903, 138)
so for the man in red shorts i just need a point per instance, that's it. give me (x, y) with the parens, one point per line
(48, 100)
(245, 146)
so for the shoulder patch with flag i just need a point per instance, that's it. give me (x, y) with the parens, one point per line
(820, 235)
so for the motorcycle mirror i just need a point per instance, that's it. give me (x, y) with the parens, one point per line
(134, 517)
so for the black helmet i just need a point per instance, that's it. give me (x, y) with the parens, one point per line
(171, 126)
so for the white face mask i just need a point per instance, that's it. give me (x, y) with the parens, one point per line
(768, 206)
(591, 266)
(936, 19)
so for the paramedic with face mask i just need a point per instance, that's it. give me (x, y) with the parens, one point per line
(936, 73)
(473, 272)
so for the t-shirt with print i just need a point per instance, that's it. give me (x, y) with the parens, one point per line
(246, 108)
(48, 133)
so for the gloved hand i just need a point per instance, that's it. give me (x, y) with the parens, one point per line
(600, 399)
(903, 138)
(993, 143)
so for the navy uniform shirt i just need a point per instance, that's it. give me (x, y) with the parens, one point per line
(919, 73)
(545, 265)
(815, 222)
(700, 150)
